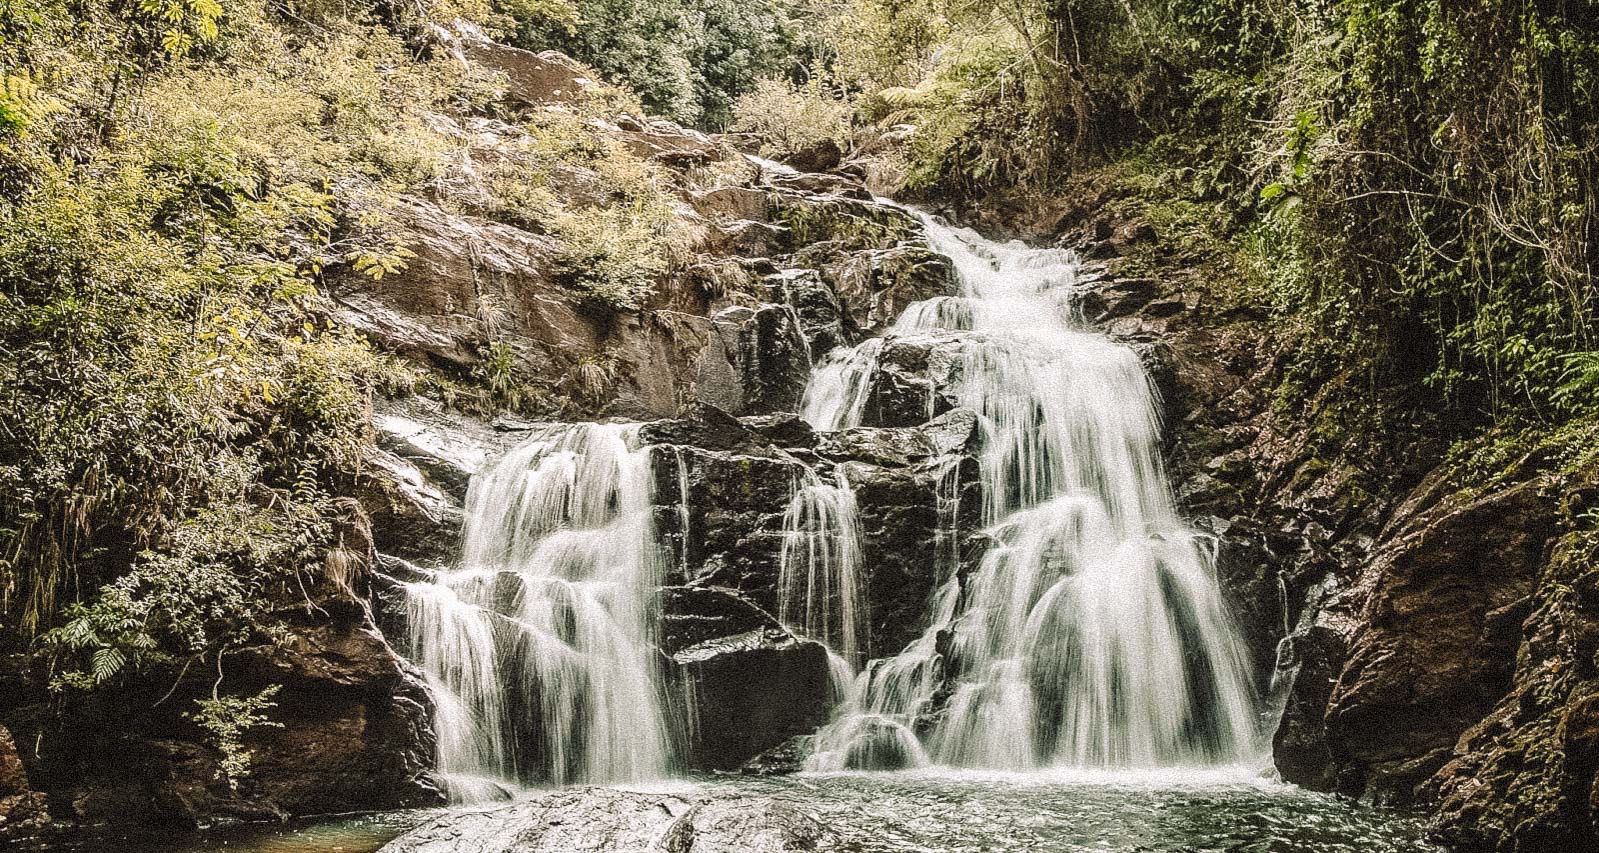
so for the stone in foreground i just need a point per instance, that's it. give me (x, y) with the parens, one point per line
(602, 820)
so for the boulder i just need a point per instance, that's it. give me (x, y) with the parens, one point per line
(604, 820)
(705, 427)
(719, 515)
(820, 156)
(813, 214)
(821, 316)
(747, 683)
(877, 285)
(666, 143)
(915, 380)
(412, 517)
(531, 79)
(757, 362)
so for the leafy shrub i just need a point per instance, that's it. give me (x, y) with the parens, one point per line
(687, 59)
(788, 118)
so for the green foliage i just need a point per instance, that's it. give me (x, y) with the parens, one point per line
(21, 104)
(613, 212)
(225, 719)
(1412, 182)
(789, 118)
(687, 59)
(180, 410)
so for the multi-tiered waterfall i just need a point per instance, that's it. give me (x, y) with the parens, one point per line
(537, 646)
(1093, 631)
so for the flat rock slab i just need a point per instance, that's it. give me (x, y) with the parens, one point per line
(602, 820)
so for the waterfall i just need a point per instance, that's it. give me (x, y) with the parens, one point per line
(537, 646)
(1093, 631)
(819, 585)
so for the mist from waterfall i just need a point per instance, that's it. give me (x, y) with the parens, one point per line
(1092, 632)
(537, 647)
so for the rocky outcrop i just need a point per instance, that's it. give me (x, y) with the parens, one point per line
(1437, 636)
(757, 363)
(914, 380)
(348, 731)
(601, 820)
(530, 79)
(723, 485)
(745, 683)
(1526, 777)
(23, 811)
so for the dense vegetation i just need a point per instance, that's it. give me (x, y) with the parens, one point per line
(182, 419)
(1413, 180)
(1408, 185)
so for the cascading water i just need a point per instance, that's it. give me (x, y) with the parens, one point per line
(1093, 631)
(537, 647)
(819, 585)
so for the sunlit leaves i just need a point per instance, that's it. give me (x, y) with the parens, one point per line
(188, 22)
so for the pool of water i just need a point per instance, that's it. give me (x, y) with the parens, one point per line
(951, 812)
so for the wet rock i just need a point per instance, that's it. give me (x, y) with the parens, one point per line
(815, 304)
(1299, 745)
(918, 499)
(820, 156)
(759, 361)
(701, 425)
(23, 811)
(1436, 648)
(915, 381)
(1122, 297)
(876, 286)
(603, 820)
(1526, 777)
(733, 502)
(781, 760)
(411, 516)
(747, 683)
(445, 447)
(783, 429)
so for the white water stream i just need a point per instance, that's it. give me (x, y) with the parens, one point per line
(1093, 632)
(537, 647)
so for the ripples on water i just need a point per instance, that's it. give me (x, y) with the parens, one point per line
(943, 812)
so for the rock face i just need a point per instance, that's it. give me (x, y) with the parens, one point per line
(1436, 645)
(600, 820)
(23, 811)
(723, 486)
(351, 733)
(745, 683)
